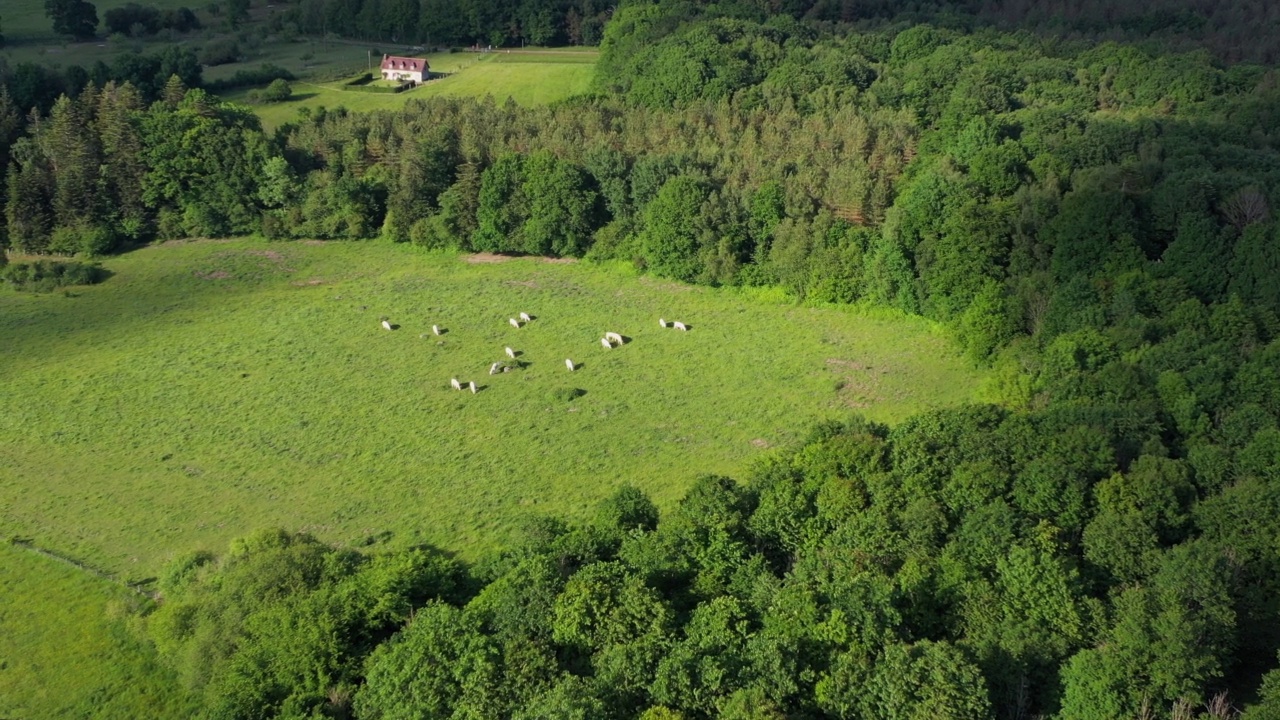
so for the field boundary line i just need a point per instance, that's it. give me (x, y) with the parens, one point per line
(31, 547)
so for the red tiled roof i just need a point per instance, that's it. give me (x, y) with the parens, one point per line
(404, 64)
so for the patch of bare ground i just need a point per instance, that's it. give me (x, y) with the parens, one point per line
(305, 283)
(760, 443)
(486, 258)
(213, 275)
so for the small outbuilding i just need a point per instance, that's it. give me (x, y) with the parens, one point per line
(405, 68)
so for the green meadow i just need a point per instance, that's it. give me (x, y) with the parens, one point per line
(527, 77)
(66, 649)
(211, 388)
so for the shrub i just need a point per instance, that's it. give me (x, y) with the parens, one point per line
(47, 275)
(82, 240)
(180, 20)
(220, 52)
(278, 91)
(273, 226)
(263, 75)
(133, 19)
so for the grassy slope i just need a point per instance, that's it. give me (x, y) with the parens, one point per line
(212, 388)
(63, 655)
(529, 79)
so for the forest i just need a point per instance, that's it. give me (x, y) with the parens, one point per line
(1089, 219)
(1240, 30)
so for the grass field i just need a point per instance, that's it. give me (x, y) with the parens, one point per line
(66, 653)
(529, 77)
(212, 388)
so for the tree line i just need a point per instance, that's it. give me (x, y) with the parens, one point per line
(1241, 30)
(427, 22)
(960, 176)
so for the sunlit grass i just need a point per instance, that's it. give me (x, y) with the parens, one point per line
(528, 79)
(65, 650)
(209, 389)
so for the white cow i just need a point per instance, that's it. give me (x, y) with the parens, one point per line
(525, 317)
(605, 342)
(514, 322)
(493, 369)
(614, 337)
(435, 329)
(456, 385)
(662, 323)
(680, 326)
(511, 353)
(569, 364)
(473, 387)
(386, 325)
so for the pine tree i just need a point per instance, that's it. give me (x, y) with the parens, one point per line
(122, 165)
(174, 92)
(75, 160)
(29, 196)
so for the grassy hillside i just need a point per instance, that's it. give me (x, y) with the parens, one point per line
(212, 388)
(65, 652)
(528, 77)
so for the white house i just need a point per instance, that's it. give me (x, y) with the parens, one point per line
(405, 68)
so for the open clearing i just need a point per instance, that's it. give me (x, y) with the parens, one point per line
(212, 388)
(66, 651)
(528, 78)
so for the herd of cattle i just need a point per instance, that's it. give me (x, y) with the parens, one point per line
(609, 341)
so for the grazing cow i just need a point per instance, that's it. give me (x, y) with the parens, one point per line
(514, 322)
(569, 364)
(525, 317)
(386, 325)
(605, 342)
(493, 369)
(614, 337)
(511, 353)
(473, 387)
(435, 329)
(679, 326)
(456, 385)
(662, 323)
